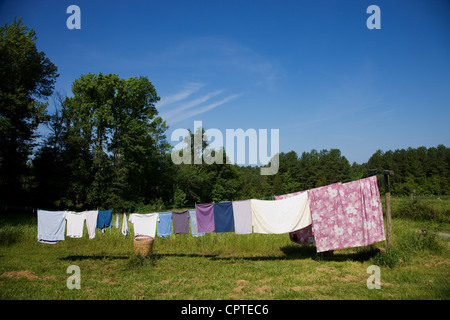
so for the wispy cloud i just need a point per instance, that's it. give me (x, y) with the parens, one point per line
(189, 89)
(178, 107)
(188, 105)
(203, 109)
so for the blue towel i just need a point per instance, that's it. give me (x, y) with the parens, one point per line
(223, 217)
(194, 229)
(165, 224)
(51, 226)
(104, 219)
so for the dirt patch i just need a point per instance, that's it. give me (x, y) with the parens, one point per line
(303, 288)
(238, 289)
(262, 290)
(108, 281)
(18, 274)
(242, 282)
(386, 284)
(348, 278)
(327, 270)
(25, 274)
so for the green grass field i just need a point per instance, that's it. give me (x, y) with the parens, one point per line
(225, 266)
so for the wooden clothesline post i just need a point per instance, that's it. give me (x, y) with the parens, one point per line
(387, 194)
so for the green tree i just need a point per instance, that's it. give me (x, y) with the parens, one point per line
(27, 79)
(114, 142)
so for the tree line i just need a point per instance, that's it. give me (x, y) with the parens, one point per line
(105, 146)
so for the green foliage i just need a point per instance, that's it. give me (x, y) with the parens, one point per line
(27, 75)
(417, 171)
(423, 210)
(179, 198)
(389, 258)
(412, 241)
(112, 144)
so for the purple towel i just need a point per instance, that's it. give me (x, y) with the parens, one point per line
(180, 222)
(205, 217)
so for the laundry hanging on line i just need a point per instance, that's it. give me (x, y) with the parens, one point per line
(75, 223)
(144, 224)
(164, 227)
(180, 222)
(332, 217)
(91, 222)
(242, 215)
(343, 216)
(205, 217)
(194, 227)
(125, 230)
(223, 217)
(51, 226)
(282, 216)
(104, 219)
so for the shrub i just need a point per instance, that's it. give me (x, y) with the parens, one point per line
(423, 211)
(389, 258)
(412, 241)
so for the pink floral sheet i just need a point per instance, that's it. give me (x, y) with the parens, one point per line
(343, 216)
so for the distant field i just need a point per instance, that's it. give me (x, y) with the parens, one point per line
(225, 266)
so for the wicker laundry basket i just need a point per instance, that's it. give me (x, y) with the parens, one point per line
(143, 245)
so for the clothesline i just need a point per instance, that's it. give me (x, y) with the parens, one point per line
(336, 216)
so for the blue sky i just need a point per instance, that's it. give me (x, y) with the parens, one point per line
(311, 69)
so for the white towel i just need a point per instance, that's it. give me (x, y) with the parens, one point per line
(125, 230)
(280, 216)
(91, 222)
(117, 221)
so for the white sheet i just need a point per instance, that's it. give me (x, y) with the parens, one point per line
(280, 216)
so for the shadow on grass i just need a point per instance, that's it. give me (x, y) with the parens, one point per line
(93, 257)
(290, 252)
(309, 252)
